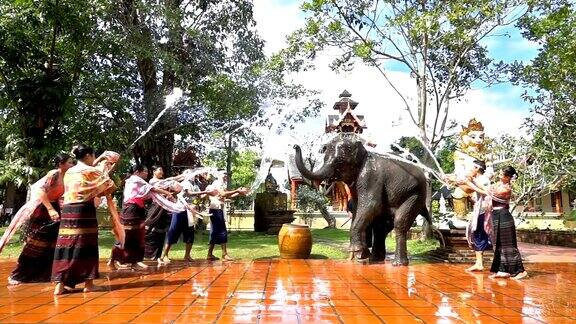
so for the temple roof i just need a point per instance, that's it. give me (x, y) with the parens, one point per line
(334, 120)
(345, 102)
(345, 94)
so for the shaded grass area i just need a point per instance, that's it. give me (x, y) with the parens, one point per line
(328, 244)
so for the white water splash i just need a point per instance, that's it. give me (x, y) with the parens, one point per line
(170, 100)
(276, 142)
(190, 174)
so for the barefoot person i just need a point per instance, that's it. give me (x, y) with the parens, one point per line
(183, 222)
(480, 225)
(76, 253)
(35, 261)
(218, 231)
(507, 260)
(136, 190)
(158, 218)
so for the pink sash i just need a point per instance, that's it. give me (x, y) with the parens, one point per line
(24, 213)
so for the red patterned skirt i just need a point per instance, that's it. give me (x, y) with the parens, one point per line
(76, 253)
(133, 220)
(35, 261)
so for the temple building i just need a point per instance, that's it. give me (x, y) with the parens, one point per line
(344, 121)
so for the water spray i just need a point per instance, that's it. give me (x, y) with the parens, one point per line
(170, 101)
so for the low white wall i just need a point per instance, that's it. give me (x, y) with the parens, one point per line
(244, 220)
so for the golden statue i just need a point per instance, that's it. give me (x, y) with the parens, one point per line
(471, 146)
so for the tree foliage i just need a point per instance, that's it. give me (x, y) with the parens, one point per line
(437, 42)
(99, 72)
(550, 79)
(243, 171)
(44, 46)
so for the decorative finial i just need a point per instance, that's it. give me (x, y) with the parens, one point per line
(345, 94)
(473, 125)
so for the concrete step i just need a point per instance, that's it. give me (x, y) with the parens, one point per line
(458, 255)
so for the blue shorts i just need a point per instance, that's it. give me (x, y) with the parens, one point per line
(179, 226)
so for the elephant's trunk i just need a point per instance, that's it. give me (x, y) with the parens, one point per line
(325, 172)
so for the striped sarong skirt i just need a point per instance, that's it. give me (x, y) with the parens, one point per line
(76, 253)
(157, 222)
(132, 218)
(507, 257)
(35, 261)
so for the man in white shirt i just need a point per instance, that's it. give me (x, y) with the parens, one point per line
(182, 223)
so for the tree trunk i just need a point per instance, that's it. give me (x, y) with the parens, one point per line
(15, 197)
(229, 161)
(152, 149)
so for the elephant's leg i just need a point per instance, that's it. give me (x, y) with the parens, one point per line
(379, 242)
(381, 226)
(358, 242)
(360, 223)
(404, 216)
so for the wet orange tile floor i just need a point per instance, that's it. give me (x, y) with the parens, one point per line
(302, 291)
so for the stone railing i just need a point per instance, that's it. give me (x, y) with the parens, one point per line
(564, 238)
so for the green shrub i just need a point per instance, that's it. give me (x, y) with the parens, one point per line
(570, 216)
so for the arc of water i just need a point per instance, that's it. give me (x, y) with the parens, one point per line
(171, 99)
(192, 173)
(272, 140)
(434, 159)
(418, 164)
(419, 137)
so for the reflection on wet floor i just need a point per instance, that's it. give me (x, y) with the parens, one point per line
(302, 291)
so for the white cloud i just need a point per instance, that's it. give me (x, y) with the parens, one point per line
(275, 19)
(383, 108)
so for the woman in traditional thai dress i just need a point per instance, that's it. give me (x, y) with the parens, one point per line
(218, 231)
(136, 191)
(158, 218)
(43, 211)
(507, 260)
(76, 254)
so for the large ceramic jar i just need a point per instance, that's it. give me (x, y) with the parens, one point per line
(295, 241)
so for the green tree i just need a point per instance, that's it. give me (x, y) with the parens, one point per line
(310, 200)
(186, 44)
(551, 89)
(533, 179)
(438, 42)
(44, 46)
(243, 171)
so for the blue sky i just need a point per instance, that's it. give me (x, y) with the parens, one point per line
(500, 107)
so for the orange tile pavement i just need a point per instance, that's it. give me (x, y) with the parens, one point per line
(302, 291)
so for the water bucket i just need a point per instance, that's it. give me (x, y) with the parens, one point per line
(295, 241)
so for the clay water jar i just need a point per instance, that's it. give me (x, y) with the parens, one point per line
(295, 241)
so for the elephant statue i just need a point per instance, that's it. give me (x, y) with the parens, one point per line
(388, 194)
